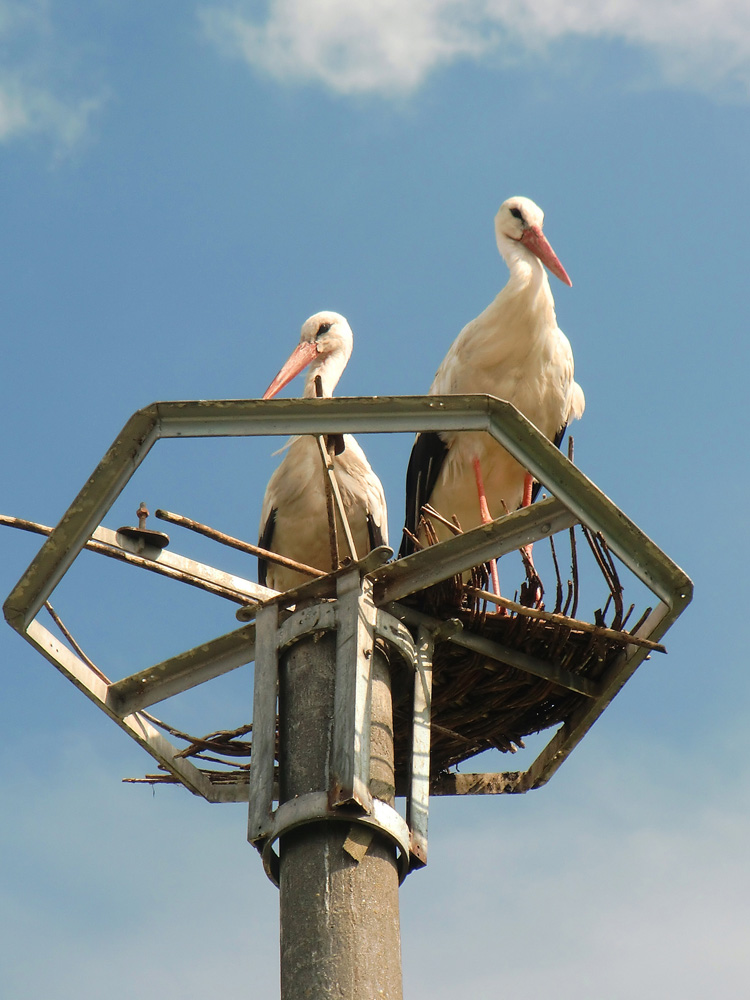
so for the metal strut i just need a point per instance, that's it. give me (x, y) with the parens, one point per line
(347, 797)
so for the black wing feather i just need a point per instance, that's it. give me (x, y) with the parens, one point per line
(374, 533)
(425, 462)
(265, 540)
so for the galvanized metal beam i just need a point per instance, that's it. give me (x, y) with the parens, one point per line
(182, 672)
(261, 785)
(211, 418)
(457, 555)
(356, 615)
(463, 783)
(418, 798)
(81, 519)
(570, 734)
(136, 726)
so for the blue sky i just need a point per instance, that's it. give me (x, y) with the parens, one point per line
(181, 187)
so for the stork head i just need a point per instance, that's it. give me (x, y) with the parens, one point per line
(519, 222)
(325, 344)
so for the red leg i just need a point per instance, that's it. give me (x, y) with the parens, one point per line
(528, 486)
(484, 512)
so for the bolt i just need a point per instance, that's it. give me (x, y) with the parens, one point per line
(142, 513)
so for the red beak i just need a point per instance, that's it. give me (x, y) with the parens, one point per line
(300, 358)
(535, 240)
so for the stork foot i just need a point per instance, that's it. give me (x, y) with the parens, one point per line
(532, 591)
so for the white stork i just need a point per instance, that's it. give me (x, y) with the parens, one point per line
(294, 518)
(516, 351)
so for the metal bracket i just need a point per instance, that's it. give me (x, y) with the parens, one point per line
(418, 798)
(314, 808)
(355, 640)
(357, 623)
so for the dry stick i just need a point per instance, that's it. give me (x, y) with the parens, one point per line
(548, 616)
(428, 511)
(568, 598)
(616, 586)
(573, 549)
(610, 560)
(333, 485)
(215, 777)
(602, 563)
(236, 543)
(430, 533)
(593, 542)
(104, 549)
(76, 648)
(195, 742)
(327, 456)
(90, 663)
(332, 529)
(330, 509)
(200, 755)
(456, 736)
(558, 586)
(431, 512)
(628, 613)
(642, 619)
(413, 538)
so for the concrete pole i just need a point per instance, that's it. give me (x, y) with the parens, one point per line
(340, 935)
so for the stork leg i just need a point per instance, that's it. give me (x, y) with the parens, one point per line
(528, 488)
(484, 513)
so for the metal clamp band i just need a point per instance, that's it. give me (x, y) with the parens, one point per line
(322, 618)
(313, 808)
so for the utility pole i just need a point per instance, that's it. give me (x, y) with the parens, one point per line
(322, 708)
(338, 882)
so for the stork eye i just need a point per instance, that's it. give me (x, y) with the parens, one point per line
(516, 213)
(323, 328)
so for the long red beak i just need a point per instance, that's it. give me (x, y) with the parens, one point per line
(300, 358)
(535, 240)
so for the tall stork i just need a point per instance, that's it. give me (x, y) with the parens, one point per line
(294, 520)
(516, 351)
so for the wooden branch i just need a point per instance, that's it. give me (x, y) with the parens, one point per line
(573, 623)
(237, 543)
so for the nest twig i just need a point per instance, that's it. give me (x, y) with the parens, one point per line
(479, 702)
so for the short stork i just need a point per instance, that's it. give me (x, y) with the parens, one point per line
(516, 351)
(294, 518)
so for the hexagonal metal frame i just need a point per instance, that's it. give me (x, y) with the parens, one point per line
(574, 499)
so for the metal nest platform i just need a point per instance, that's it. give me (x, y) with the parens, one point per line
(496, 678)
(507, 674)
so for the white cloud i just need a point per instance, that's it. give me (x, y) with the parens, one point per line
(387, 47)
(373, 45)
(626, 877)
(633, 883)
(32, 100)
(27, 109)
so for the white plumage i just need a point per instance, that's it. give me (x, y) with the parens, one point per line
(294, 516)
(514, 350)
